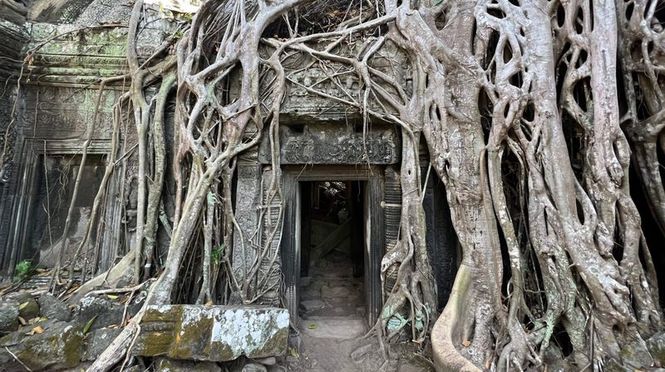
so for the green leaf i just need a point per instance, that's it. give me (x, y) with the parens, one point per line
(86, 329)
(23, 270)
(397, 322)
(216, 254)
(212, 199)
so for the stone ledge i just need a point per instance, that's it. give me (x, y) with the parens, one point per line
(213, 333)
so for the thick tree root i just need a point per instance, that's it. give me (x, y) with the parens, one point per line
(120, 272)
(446, 334)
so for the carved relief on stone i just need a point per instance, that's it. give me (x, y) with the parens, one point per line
(335, 90)
(60, 112)
(335, 144)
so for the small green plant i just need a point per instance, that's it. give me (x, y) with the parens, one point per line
(178, 34)
(216, 254)
(23, 270)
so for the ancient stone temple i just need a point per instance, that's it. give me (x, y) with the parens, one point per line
(341, 188)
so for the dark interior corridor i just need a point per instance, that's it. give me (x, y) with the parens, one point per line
(332, 297)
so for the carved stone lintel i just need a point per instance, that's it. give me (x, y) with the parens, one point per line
(334, 144)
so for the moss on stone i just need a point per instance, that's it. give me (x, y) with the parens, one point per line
(56, 348)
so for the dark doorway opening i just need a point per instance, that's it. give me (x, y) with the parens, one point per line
(333, 221)
(51, 195)
(54, 194)
(363, 187)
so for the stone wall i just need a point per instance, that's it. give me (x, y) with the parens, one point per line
(55, 115)
(313, 96)
(56, 11)
(13, 39)
(13, 11)
(84, 42)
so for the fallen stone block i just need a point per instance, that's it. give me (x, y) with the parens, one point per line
(53, 308)
(60, 346)
(169, 365)
(311, 305)
(212, 333)
(339, 328)
(105, 312)
(254, 367)
(28, 306)
(8, 316)
(97, 341)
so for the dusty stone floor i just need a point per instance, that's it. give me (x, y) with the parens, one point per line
(332, 298)
(333, 323)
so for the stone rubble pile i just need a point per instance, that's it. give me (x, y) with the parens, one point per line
(44, 333)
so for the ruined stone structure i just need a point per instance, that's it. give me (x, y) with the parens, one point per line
(50, 92)
(49, 100)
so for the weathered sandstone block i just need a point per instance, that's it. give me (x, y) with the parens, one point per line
(213, 333)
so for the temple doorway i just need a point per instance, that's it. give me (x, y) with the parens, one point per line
(332, 289)
(332, 250)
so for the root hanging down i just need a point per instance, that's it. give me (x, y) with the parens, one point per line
(525, 123)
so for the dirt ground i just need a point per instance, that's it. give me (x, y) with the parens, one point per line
(333, 325)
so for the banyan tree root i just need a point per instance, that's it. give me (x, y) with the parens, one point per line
(555, 264)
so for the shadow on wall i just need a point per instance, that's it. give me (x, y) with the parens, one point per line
(14, 10)
(49, 11)
(54, 193)
(55, 11)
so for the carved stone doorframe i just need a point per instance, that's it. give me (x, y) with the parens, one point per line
(17, 207)
(290, 246)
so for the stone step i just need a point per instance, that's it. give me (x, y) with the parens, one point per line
(337, 328)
